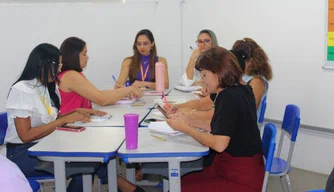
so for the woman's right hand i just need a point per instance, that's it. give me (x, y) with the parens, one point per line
(196, 53)
(117, 86)
(136, 91)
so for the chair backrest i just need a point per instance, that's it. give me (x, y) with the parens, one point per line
(290, 126)
(291, 121)
(35, 186)
(268, 148)
(3, 126)
(262, 112)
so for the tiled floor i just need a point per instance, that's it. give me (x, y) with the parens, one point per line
(301, 181)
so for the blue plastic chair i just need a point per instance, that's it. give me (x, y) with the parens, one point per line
(3, 126)
(262, 112)
(35, 186)
(268, 148)
(290, 126)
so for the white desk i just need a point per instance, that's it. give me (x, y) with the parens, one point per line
(117, 119)
(185, 98)
(95, 144)
(175, 150)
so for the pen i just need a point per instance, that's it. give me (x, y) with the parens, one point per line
(167, 104)
(159, 137)
(114, 78)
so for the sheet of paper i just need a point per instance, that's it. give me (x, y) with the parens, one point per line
(163, 128)
(126, 101)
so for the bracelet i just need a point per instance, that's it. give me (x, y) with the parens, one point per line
(191, 112)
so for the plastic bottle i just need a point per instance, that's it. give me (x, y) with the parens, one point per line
(160, 77)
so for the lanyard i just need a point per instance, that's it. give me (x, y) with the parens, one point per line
(143, 76)
(47, 107)
(45, 100)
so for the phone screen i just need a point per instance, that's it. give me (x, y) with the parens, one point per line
(163, 112)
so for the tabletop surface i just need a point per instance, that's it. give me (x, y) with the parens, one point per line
(94, 141)
(173, 146)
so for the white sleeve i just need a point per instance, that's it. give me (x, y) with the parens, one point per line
(19, 103)
(185, 81)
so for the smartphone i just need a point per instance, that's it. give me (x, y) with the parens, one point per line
(152, 120)
(72, 129)
(163, 112)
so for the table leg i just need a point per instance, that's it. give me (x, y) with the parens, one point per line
(131, 175)
(87, 182)
(60, 180)
(174, 176)
(112, 177)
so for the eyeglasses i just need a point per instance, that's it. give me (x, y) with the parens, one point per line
(205, 42)
(144, 44)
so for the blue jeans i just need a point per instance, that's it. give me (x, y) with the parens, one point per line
(18, 153)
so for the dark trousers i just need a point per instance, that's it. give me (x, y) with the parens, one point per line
(18, 153)
(330, 182)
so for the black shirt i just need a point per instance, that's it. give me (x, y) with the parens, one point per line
(235, 117)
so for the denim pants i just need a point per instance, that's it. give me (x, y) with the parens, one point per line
(18, 153)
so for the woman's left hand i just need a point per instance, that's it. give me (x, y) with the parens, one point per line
(138, 84)
(177, 124)
(84, 111)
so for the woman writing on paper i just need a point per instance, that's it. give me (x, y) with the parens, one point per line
(235, 160)
(257, 73)
(205, 39)
(140, 68)
(75, 89)
(32, 107)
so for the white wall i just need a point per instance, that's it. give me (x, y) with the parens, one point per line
(108, 28)
(291, 32)
(293, 35)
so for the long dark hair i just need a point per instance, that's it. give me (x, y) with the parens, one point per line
(259, 62)
(42, 64)
(135, 63)
(70, 50)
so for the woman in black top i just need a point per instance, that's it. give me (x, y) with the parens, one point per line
(235, 160)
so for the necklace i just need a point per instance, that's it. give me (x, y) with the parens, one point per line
(214, 101)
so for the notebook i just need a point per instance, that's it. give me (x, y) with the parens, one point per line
(154, 92)
(163, 128)
(96, 118)
(187, 88)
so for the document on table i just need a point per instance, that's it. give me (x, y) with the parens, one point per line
(126, 100)
(163, 128)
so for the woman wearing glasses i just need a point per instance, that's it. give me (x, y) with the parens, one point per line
(140, 68)
(257, 73)
(206, 39)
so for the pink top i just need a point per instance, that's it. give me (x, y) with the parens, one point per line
(71, 100)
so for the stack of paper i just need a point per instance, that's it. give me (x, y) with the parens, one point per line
(187, 88)
(126, 101)
(163, 128)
